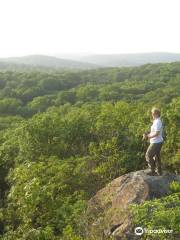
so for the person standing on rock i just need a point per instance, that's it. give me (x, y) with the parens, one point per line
(156, 141)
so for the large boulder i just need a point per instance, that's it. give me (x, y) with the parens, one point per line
(108, 209)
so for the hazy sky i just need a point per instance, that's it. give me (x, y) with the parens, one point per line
(93, 26)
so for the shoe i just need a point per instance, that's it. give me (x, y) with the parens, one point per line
(152, 174)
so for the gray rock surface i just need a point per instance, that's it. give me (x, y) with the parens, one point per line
(111, 202)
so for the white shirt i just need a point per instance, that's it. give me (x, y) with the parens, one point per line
(157, 126)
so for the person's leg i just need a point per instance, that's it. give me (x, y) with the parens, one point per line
(158, 158)
(150, 153)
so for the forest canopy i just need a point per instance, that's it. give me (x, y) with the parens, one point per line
(64, 135)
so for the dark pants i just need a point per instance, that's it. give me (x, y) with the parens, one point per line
(153, 157)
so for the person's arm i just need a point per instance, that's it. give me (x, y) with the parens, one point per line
(145, 135)
(154, 134)
(157, 128)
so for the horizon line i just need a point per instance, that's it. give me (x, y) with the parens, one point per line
(57, 55)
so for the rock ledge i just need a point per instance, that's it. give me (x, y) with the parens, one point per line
(135, 187)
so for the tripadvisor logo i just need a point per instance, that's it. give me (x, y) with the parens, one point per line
(139, 231)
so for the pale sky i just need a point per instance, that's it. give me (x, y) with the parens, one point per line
(88, 26)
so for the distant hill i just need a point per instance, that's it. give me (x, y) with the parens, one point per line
(95, 61)
(45, 62)
(10, 66)
(119, 60)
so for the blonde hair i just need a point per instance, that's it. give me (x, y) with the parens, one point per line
(156, 111)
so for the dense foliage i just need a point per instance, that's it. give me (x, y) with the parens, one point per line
(64, 135)
(160, 214)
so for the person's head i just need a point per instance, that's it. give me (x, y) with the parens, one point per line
(156, 113)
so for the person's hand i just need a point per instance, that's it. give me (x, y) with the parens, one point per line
(145, 137)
